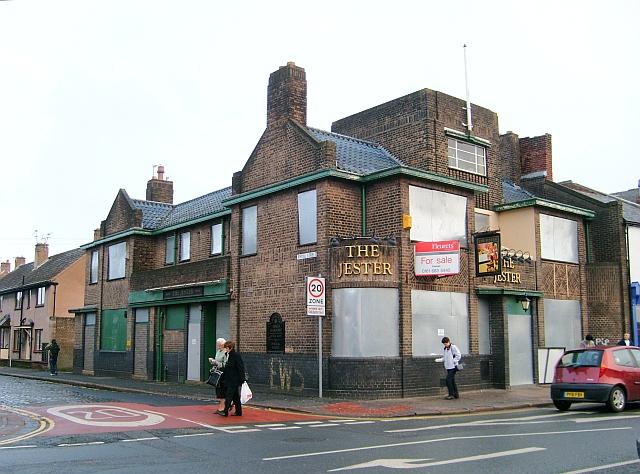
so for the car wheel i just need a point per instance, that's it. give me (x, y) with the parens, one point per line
(617, 399)
(562, 405)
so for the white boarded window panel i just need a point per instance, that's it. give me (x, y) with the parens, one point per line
(437, 216)
(365, 322)
(562, 323)
(558, 238)
(434, 310)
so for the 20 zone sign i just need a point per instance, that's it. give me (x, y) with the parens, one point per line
(315, 296)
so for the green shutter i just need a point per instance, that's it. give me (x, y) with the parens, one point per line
(175, 317)
(113, 330)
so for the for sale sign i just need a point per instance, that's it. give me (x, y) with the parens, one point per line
(437, 258)
(315, 296)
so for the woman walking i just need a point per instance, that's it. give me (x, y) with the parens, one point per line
(218, 362)
(451, 357)
(233, 377)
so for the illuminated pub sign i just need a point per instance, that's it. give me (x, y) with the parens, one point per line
(488, 258)
(361, 259)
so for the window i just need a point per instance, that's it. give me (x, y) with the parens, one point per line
(467, 157)
(623, 357)
(40, 296)
(142, 315)
(18, 299)
(562, 323)
(4, 337)
(437, 216)
(435, 313)
(117, 259)
(216, 239)
(17, 340)
(90, 319)
(113, 330)
(483, 223)
(176, 317)
(170, 250)
(185, 246)
(307, 217)
(558, 239)
(365, 322)
(37, 340)
(249, 230)
(93, 272)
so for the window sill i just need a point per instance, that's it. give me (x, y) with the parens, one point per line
(249, 255)
(40, 305)
(467, 171)
(116, 279)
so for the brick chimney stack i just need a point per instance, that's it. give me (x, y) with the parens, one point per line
(19, 262)
(287, 95)
(42, 254)
(159, 189)
(535, 155)
(5, 267)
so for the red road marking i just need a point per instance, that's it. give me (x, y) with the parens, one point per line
(190, 416)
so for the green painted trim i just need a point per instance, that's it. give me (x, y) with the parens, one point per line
(198, 299)
(509, 292)
(212, 292)
(117, 236)
(86, 309)
(428, 176)
(545, 204)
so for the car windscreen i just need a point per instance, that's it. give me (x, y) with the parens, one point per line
(586, 358)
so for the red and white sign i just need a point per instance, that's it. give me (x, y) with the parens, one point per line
(437, 258)
(315, 296)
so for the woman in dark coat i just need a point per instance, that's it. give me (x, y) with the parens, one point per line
(233, 377)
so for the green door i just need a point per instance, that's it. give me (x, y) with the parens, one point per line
(208, 337)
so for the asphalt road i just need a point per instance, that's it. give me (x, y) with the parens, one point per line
(98, 431)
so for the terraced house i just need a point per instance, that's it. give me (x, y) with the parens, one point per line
(415, 213)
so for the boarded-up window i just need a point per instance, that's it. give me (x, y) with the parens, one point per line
(558, 238)
(113, 330)
(437, 216)
(436, 314)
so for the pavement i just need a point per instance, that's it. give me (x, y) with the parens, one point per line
(469, 401)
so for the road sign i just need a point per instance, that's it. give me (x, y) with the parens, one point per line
(315, 296)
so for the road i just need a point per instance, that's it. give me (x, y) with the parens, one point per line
(59, 428)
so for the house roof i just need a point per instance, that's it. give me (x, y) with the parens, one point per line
(511, 192)
(357, 156)
(630, 210)
(158, 215)
(45, 272)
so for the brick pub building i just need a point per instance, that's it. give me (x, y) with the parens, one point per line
(358, 205)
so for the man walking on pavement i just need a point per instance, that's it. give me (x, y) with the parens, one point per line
(53, 350)
(451, 358)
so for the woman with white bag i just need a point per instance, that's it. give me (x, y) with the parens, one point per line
(233, 377)
(218, 362)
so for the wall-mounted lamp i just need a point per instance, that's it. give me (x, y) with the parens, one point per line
(525, 302)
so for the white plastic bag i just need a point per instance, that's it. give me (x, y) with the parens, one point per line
(245, 393)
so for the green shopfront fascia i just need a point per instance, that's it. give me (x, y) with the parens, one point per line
(188, 320)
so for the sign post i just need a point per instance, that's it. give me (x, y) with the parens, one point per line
(316, 307)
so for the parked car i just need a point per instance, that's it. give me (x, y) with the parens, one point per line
(608, 375)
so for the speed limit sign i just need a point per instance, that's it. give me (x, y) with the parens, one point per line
(315, 296)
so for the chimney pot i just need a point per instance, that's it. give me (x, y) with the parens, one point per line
(19, 261)
(160, 189)
(42, 254)
(5, 267)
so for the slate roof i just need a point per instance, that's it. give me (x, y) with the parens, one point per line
(357, 156)
(152, 212)
(45, 272)
(158, 215)
(630, 210)
(511, 192)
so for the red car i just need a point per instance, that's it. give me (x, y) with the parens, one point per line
(608, 375)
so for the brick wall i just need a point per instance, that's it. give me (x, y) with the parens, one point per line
(64, 335)
(535, 154)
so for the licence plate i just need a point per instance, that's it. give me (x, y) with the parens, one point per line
(574, 394)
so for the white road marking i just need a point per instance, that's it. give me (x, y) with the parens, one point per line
(439, 440)
(271, 425)
(606, 418)
(323, 425)
(67, 445)
(605, 466)
(308, 422)
(359, 422)
(250, 430)
(106, 415)
(338, 421)
(286, 428)
(138, 439)
(19, 447)
(403, 464)
(192, 435)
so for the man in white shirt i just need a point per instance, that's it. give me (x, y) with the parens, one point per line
(451, 358)
(626, 340)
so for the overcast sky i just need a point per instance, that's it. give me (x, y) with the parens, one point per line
(94, 93)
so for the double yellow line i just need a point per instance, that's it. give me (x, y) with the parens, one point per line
(44, 424)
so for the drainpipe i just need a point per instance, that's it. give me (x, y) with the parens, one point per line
(363, 208)
(159, 340)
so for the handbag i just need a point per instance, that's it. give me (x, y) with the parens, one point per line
(245, 393)
(214, 377)
(459, 367)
